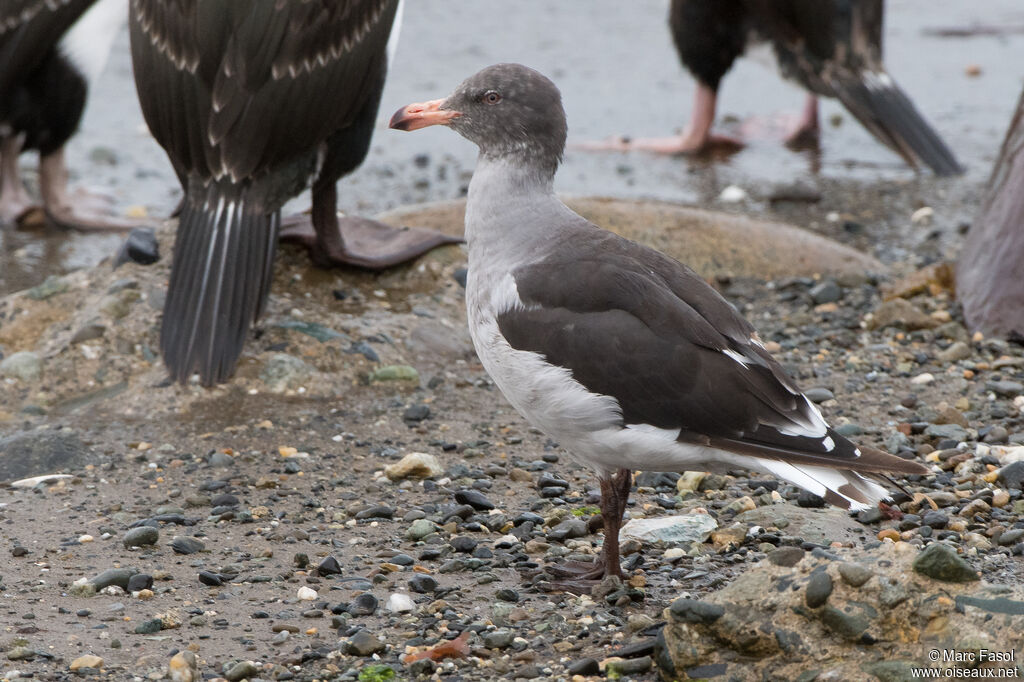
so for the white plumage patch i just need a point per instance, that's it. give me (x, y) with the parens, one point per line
(396, 29)
(87, 45)
(736, 356)
(821, 480)
(668, 434)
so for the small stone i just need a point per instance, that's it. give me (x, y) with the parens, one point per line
(51, 286)
(568, 530)
(420, 528)
(283, 372)
(854, 575)
(585, 667)
(149, 627)
(141, 536)
(1012, 475)
(1005, 389)
(113, 576)
(819, 395)
(184, 544)
(475, 499)
(24, 365)
(819, 587)
(899, 313)
(362, 643)
(681, 529)
(140, 247)
(183, 667)
(695, 611)
(414, 465)
(86, 661)
(416, 413)
(306, 594)
(463, 543)
(422, 583)
(329, 566)
(363, 605)
(957, 351)
(826, 292)
(786, 556)
(210, 578)
(498, 639)
(395, 373)
(690, 481)
(941, 562)
(733, 194)
(139, 582)
(377, 511)
(620, 667)
(947, 431)
(850, 626)
(935, 519)
(507, 595)
(241, 671)
(889, 534)
(399, 603)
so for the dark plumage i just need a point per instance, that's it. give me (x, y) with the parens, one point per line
(253, 102)
(45, 70)
(831, 47)
(623, 355)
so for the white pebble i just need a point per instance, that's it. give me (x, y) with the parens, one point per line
(733, 194)
(673, 553)
(399, 603)
(306, 593)
(925, 378)
(85, 538)
(922, 216)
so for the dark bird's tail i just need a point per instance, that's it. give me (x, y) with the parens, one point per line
(886, 111)
(220, 279)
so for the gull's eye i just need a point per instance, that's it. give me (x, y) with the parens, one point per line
(491, 97)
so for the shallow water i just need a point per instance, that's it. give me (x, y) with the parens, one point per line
(619, 74)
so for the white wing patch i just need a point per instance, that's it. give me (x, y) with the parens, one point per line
(736, 356)
(668, 434)
(88, 42)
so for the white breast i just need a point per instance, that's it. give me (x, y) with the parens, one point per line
(88, 42)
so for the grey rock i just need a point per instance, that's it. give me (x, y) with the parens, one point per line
(819, 394)
(114, 576)
(679, 529)
(363, 605)
(141, 536)
(139, 247)
(1006, 389)
(941, 562)
(567, 530)
(695, 611)
(826, 292)
(474, 498)
(899, 313)
(50, 287)
(786, 556)
(819, 587)
(184, 544)
(422, 583)
(584, 666)
(957, 351)
(935, 519)
(1011, 537)
(139, 581)
(149, 627)
(362, 643)
(498, 639)
(377, 511)
(241, 671)
(285, 372)
(627, 666)
(88, 332)
(1011, 475)
(36, 453)
(420, 528)
(853, 574)
(951, 431)
(850, 626)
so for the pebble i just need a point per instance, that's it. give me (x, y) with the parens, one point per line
(853, 574)
(363, 605)
(733, 194)
(24, 365)
(422, 583)
(498, 639)
(86, 661)
(941, 562)
(306, 594)
(139, 247)
(475, 499)
(329, 566)
(141, 536)
(695, 611)
(241, 671)
(420, 528)
(463, 543)
(819, 587)
(786, 556)
(414, 465)
(681, 529)
(183, 667)
(362, 643)
(139, 582)
(585, 667)
(819, 395)
(183, 544)
(619, 667)
(826, 291)
(398, 602)
(377, 511)
(283, 372)
(113, 576)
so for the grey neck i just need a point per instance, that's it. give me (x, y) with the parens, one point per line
(510, 207)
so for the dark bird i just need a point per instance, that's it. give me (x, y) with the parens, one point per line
(833, 48)
(253, 102)
(623, 355)
(50, 52)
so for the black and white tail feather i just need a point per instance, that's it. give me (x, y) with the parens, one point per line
(220, 280)
(883, 108)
